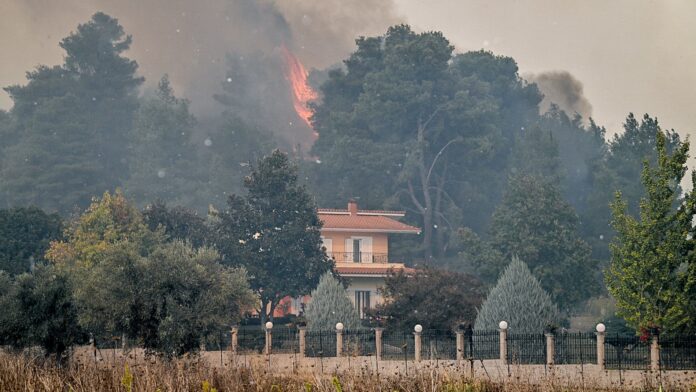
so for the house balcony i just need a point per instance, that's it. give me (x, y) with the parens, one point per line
(359, 257)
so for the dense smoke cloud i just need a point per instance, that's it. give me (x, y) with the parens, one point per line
(563, 89)
(190, 40)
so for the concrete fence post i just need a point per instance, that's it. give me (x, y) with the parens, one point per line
(339, 339)
(655, 352)
(303, 340)
(503, 325)
(550, 349)
(234, 338)
(269, 337)
(601, 328)
(460, 345)
(378, 343)
(417, 330)
(124, 341)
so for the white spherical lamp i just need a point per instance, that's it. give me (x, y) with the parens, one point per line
(418, 328)
(601, 327)
(269, 325)
(339, 326)
(503, 325)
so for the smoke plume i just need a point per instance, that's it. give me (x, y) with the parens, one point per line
(563, 89)
(191, 40)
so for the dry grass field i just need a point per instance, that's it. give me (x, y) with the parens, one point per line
(20, 373)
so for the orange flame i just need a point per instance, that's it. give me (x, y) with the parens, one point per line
(302, 93)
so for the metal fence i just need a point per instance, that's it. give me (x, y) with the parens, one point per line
(575, 348)
(361, 342)
(482, 345)
(398, 345)
(251, 339)
(621, 352)
(438, 344)
(626, 352)
(678, 352)
(526, 348)
(320, 344)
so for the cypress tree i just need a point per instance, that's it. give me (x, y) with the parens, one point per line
(330, 305)
(518, 299)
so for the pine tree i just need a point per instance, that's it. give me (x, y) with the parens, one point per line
(518, 299)
(330, 305)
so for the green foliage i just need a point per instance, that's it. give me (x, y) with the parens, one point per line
(128, 280)
(478, 257)
(38, 310)
(519, 299)
(25, 235)
(108, 222)
(409, 299)
(274, 233)
(652, 274)
(72, 121)
(178, 223)
(412, 126)
(536, 224)
(330, 305)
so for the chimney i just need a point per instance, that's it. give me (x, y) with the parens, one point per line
(353, 207)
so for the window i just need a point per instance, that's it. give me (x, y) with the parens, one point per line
(356, 250)
(362, 302)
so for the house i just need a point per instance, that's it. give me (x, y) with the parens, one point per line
(358, 241)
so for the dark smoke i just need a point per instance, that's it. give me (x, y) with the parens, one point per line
(191, 40)
(563, 89)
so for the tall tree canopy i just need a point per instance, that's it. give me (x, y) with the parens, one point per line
(73, 121)
(409, 123)
(536, 224)
(163, 161)
(652, 273)
(273, 232)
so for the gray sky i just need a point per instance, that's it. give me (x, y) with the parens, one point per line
(630, 55)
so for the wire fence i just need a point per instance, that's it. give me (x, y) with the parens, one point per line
(678, 352)
(626, 352)
(575, 348)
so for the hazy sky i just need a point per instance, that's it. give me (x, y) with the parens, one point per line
(630, 55)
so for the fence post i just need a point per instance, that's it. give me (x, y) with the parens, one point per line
(417, 342)
(234, 334)
(601, 328)
(654, 351)
(339, 339)
(460, 344)
(269, 337)
(303, 340)
(378, 343)
(503, 325)
(124, 342)
(550, 348)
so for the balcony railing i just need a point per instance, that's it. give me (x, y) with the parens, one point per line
(359, 257)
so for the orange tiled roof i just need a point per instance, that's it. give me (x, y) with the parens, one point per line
(353, 219)
(371, 269)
